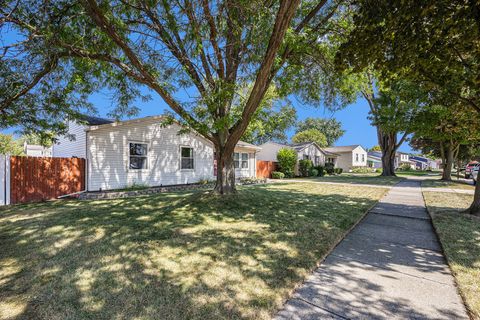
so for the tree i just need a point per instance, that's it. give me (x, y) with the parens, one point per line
(34, 138)
(310, 135)
(8, 145)
(392, 111)
(69, 49)
(271, 121)
(443, 131)
(287, 160)
(330, 128)
(376, 148)
(431, 42)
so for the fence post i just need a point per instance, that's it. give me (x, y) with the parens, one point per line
(4, 180)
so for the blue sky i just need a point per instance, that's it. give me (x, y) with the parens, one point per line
(353, 118)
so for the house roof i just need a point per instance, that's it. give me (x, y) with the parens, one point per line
(374, 154)
(342, 148)
(300, 146)
(95, 121)
(244, 144)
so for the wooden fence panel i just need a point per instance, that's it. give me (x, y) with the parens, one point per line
(265, 168)
(38, 179)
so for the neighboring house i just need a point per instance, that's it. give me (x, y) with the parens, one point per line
(145, 151)
(374, 159)
(402, 158)
(424, 163)
(33, 150)
(349, 156)
(307, 150)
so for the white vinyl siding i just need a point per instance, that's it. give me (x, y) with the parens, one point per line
(75, 147)
(108, 154)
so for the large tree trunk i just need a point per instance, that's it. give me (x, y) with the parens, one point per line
(475, 206)
(225, 183)
(388, 144)
(447, 160)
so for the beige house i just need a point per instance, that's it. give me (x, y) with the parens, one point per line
(349, 157)
(307, 150)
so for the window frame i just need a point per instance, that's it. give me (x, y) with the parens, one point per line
(241, 161)
(146, 156)
(182, 157)
(357, 157)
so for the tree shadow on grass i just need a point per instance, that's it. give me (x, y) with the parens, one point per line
(170, 256)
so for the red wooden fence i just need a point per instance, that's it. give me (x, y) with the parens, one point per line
(37, 179)
(265, 168)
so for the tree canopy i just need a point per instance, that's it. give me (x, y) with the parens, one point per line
(310, 135)
(10, 146)
(330, 128)
(66, 50)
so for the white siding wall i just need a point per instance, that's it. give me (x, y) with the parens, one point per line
(109, 156)
(312, 151)
(362, 157)
(250, 171)
(4, 180)
(269, 151)
(71, 148)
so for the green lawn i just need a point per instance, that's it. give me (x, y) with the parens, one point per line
(418, 173)
(435, 183)
(357, 178)
(460, 237)
(171, 256)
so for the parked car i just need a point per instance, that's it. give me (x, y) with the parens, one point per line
(468, 169)
(475, 173)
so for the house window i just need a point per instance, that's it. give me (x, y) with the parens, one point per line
(363, 158)
(330, 160)
(186, 161)
(306, 157)
(317, 160)
(356, 157)
(240, 160)
(138, 156)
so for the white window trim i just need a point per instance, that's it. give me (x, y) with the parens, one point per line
(193, 157)
(240, 161)
(128, 155)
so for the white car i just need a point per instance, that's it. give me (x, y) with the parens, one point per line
(475, 174)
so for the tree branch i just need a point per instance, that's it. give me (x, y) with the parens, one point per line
(213, 38)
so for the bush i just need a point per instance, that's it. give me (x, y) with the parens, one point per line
(287, 159)
(321, 170)
(251, 180)
(304, 167)
(329, 168)
(338, 170)
(278, 175)
(361, 170)
(405, 167)
(313, 172)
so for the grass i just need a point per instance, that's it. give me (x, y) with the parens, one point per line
(417, 173)
(431, 183)
(460, 238)
(357, 178)
(187, 255)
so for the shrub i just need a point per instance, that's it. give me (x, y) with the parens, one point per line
(287, 159)
(338, 170)
(304, 167)
(321, 170)
(405, 167)
(329, 168)
(278, 175)
(361, 170)
(313, 172)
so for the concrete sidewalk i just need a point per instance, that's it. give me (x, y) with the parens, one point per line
(389, 267)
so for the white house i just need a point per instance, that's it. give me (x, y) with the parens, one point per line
(402, 158)
(33, 150)
(307, 150)
(145, 151)
(374, 159)
(349, 157)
